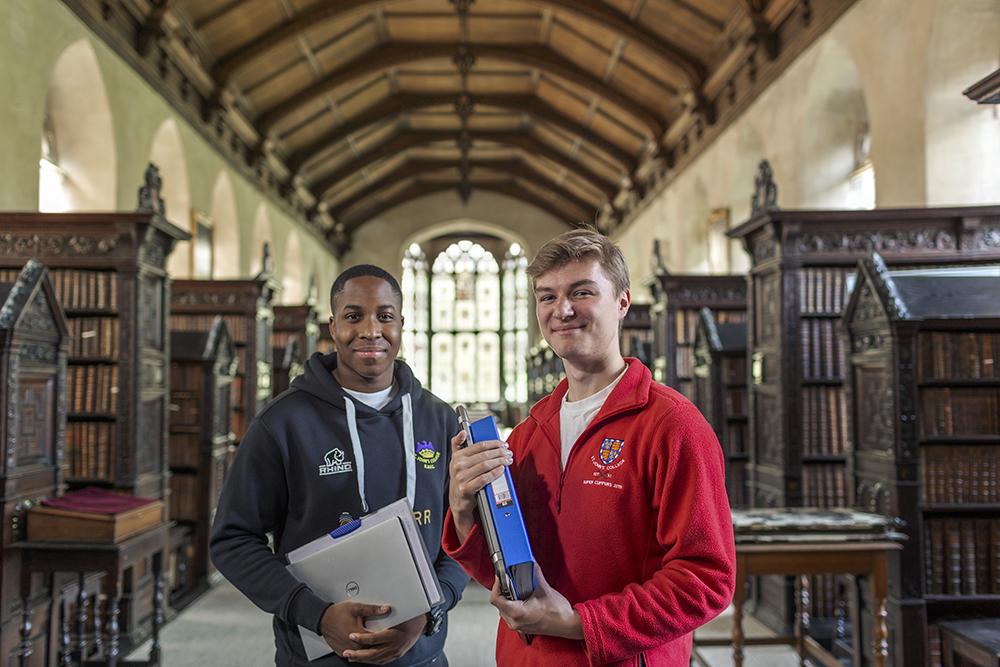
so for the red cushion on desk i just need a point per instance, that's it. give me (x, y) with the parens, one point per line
(94, 499)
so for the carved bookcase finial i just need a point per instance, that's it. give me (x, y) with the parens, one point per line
(765, 195)
(149, 194)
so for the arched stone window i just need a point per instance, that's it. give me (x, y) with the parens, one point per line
(466, 322)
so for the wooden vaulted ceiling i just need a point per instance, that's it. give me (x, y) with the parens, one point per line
(579, 107)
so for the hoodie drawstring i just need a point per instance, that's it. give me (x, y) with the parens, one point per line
(409, 449)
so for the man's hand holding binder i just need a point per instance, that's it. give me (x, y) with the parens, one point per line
(478, 463)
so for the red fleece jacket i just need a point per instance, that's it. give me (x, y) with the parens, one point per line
(640, 542)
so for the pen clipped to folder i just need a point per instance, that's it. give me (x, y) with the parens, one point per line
(502, 521)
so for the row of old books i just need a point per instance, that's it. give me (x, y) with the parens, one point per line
(822, 350)
(688, 318)
(948, 354)
(78, 289)
(962, 556)
(824, 421)
(736, 401)
(823, 485)
(959, 474)
(93, 337)
(185, 377)
(824, 290)
(737, 437)
(92, 389)
(184, 490)
(951, 411)
(184, 450)
(237, 325)
(185, 410)
(88, 447)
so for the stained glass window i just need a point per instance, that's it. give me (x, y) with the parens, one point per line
(466, 320)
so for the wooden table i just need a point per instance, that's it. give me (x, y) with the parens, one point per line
(800, 542)
(974, 642)
(111, 558)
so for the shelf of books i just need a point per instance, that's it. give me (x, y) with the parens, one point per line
(925, 401)
(637, 334)
(294, 338)
(803, 270)
(202, 370)
(245, 306)
(286, 365)
(108, 271)
(678, 300)
(720, 392)
(545, 372)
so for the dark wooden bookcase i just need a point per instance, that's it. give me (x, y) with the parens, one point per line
(301, 322)
(678, 300)
(923, 393)
(287, 364)
(720, 392)
(295, 337)
(637, 334)
(108, 271)
(202, 369)
(34, 342)
(245, 305)
(545, 372)
(803, 267)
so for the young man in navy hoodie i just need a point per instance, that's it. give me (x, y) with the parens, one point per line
(341, 443)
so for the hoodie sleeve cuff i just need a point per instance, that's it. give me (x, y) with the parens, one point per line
(306, 609)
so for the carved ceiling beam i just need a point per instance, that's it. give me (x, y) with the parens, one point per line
(509, 187)
(407, 140)
(517, 168)
(690, 68)
(764, 33)
(152, 28)
(394, 55)
(524, 104)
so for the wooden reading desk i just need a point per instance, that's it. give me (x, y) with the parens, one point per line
(111, 558)
(804, 541)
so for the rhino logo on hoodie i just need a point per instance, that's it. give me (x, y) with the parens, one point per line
(335, 463)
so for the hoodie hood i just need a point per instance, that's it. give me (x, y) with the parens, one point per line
(318, 381)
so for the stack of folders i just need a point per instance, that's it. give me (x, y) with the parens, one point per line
(377, 559)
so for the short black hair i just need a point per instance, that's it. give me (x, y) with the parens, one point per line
(361, 270)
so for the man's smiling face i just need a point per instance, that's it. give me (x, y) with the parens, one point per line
(367, 328)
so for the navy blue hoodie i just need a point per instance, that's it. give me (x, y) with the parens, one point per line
(313, 459)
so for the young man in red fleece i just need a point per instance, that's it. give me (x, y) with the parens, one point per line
(621, 482)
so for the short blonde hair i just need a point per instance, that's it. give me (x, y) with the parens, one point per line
(582, 244)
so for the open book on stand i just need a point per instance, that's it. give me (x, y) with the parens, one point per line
(377, 559)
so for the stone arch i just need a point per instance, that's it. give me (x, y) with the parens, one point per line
(167, 153)
(834, 130)
(262, 233)
(80, 170)
(226, 233)
(963, 163)
(292, 273)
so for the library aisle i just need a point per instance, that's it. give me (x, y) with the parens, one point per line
(223, 629)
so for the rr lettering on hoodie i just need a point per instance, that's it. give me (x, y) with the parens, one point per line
(422, 518)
